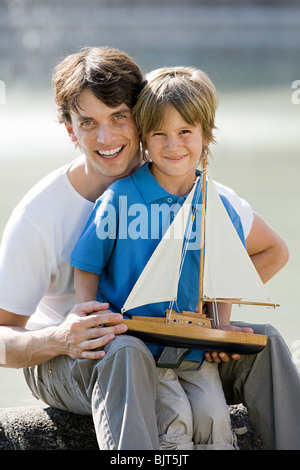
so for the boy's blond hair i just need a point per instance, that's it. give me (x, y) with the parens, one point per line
(188, 89)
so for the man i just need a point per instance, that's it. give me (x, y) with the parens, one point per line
(71, 360)
(35, 253)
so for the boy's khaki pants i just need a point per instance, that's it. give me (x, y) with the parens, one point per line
(191, 409)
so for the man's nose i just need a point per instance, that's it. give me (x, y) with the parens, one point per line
(104, 134)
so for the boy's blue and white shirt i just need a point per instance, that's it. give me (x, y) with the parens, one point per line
(126, 225)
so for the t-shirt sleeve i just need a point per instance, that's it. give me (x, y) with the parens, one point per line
(95, 245)
(25, 266)
(235, 219)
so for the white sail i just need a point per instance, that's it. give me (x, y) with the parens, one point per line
(158, 281)
(228, 270)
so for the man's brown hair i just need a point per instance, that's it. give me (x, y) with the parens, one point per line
(111, 75)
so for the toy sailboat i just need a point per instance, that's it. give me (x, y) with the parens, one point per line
(227, 274)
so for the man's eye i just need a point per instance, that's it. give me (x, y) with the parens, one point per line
(87, 123)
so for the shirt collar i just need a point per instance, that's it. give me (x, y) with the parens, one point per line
(149, 187)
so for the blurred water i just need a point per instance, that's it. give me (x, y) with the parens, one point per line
(257, 155)
(238, 43)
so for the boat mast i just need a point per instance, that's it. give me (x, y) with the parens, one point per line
(203, 209)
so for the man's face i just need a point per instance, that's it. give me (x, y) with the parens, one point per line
(107, 136)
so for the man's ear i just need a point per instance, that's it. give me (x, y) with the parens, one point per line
(70, 131)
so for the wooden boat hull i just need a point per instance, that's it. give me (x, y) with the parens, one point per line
(158, 331)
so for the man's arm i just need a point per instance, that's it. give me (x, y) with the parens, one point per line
(267, 250)
(77, 336)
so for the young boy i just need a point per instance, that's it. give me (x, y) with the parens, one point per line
(175, 117)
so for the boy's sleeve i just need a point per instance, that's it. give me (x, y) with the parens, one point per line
(96, 243)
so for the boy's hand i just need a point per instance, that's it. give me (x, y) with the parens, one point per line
(222, 356)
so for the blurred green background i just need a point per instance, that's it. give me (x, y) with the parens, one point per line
(250, 49)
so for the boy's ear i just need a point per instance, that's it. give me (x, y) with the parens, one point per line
(70, 131)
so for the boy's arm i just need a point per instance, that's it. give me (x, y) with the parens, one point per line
(86, 285)
(224, 313)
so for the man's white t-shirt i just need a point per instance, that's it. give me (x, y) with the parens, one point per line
(35, 273)
(36, 277)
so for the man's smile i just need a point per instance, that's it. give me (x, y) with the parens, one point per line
(110, 153)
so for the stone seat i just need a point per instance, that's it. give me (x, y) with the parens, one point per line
(47, 428)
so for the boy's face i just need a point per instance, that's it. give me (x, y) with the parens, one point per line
(175, 148)
(107, 136)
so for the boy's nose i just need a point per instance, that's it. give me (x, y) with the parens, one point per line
(171, 143)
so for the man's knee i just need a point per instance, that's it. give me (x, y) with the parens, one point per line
(127, 360)
(125, 343)
(128, 355)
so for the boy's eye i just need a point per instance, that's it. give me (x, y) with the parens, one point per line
(185, 131)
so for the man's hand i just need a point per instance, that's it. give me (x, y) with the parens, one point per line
(82, 333)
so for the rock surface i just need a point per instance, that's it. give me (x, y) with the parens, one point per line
(39, 428)
(247, 438)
